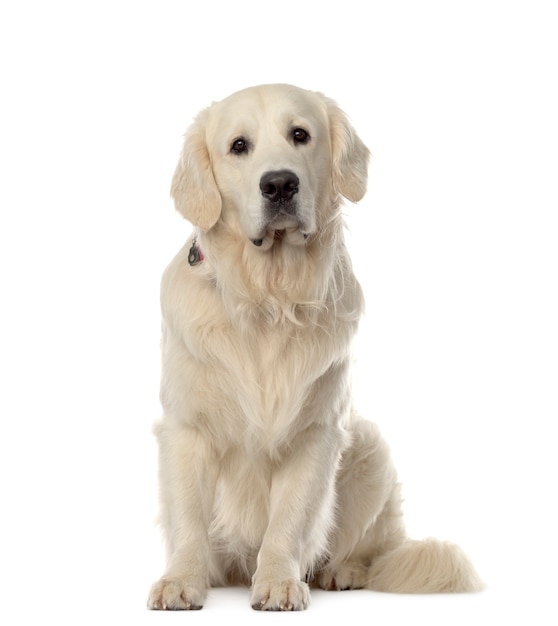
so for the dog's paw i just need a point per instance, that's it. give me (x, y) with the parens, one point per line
(346, 576)
(176, 594)
(287, 595)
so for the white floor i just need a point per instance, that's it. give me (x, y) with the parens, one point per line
(125, 606)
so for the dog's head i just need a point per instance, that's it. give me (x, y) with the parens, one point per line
(270, 159)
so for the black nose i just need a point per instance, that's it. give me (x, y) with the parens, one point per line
(279, 186)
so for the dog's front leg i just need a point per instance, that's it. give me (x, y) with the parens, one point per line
(187, 475)
(301, 510)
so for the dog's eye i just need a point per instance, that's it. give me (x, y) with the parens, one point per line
(239, 146)
(300, 135)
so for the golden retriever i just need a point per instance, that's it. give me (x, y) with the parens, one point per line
(267, 474)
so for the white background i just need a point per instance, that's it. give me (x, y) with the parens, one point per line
(455, 245)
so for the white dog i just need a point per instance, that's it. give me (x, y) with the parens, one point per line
(267, 475)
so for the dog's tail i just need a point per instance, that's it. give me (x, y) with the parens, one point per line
(428, 566)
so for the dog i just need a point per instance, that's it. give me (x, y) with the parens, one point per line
(267, 475)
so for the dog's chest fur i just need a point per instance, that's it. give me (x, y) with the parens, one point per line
(254, 383)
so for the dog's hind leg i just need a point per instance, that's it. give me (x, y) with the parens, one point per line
(370, 547)
(368, 518)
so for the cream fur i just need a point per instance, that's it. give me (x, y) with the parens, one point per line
(267, 475)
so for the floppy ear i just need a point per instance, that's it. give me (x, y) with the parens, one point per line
(193, 187)
(350, 155)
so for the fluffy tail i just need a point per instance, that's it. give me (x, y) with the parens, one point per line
(428, 566)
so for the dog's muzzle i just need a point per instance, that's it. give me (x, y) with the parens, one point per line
(279, 188)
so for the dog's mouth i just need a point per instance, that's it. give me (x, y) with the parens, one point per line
(296, 238)
(294, 235)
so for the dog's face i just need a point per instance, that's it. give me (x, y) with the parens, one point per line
(269, 161)
(271, 156)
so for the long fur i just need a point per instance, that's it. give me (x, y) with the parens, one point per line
(267, 474)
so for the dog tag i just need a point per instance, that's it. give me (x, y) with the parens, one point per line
(194, 255)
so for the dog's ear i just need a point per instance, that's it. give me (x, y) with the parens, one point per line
(350, 155)
(193, 187)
